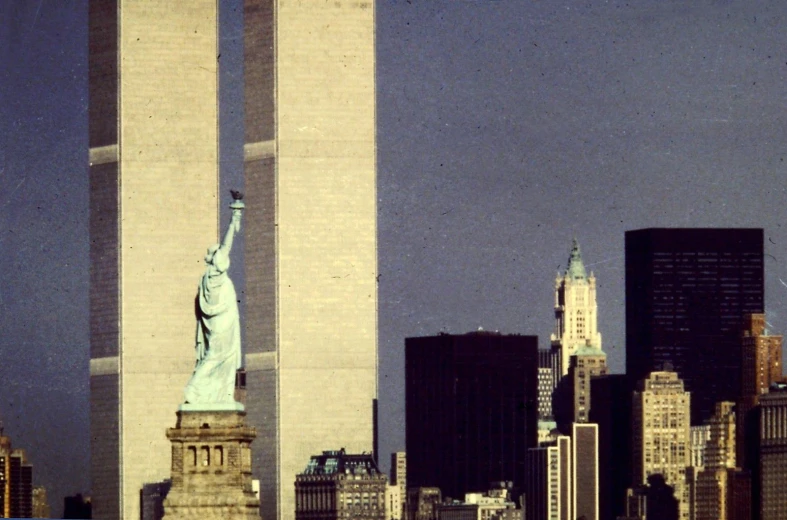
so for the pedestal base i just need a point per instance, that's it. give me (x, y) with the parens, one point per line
(211, 467)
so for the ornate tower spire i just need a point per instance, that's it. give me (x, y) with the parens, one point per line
(576, 322)
(576, 269)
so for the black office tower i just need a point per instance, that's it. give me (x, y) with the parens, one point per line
(611, 410)
(687, 291)
(471, 410)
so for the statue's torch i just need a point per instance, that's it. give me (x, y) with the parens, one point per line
(237, 207)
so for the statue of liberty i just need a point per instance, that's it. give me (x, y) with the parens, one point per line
(218, 327)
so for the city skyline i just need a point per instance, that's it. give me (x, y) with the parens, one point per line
(500, 138)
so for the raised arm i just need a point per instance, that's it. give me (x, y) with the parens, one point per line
(233, 228)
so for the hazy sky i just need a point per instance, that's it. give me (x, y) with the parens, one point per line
(505, 128)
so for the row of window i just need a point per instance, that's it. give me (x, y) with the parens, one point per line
(204, 456)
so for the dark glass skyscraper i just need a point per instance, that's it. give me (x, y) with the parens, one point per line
(687, 291)
(610, 396)
(471, 410)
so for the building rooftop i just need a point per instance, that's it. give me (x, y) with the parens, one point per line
(588, 350)
(340, 462)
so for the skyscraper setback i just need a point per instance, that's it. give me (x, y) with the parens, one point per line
(153, 138)
(311, 256)
(687, 291)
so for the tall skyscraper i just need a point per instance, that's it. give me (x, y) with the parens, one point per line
(311, 256)
(762, 356)
(576, 316)
(542, 487)
(549, 482)
(16, 481)
(20, 488)
(711, 485)
(660, 440)
(153, 137)
(612, 412)
(585, 463)
(587, 363)
(563, 476)
(739, 498)
(548, 379)
(761, 366)
(770, 465)
(699, 437)
(399, 478)
(686, 292)
(470, 408)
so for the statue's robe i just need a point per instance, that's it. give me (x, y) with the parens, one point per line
(218, 337)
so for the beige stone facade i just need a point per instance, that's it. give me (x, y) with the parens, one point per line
(398, 499)
(711, 478)
(153, 213)
(661, 440)
(700, 435)
(341, 486)
(311, 257)
(211, 468)
(393, 502)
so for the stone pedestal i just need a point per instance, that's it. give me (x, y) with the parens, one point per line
(211, 467)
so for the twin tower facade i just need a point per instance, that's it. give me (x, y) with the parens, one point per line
(310, 226)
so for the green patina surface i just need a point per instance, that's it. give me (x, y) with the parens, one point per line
(576, 269)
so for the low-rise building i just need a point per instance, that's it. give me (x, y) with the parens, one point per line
(40, 503)
(422, 503)
(496, 504)
(337, 485)
(393, 502)
(398, 479)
